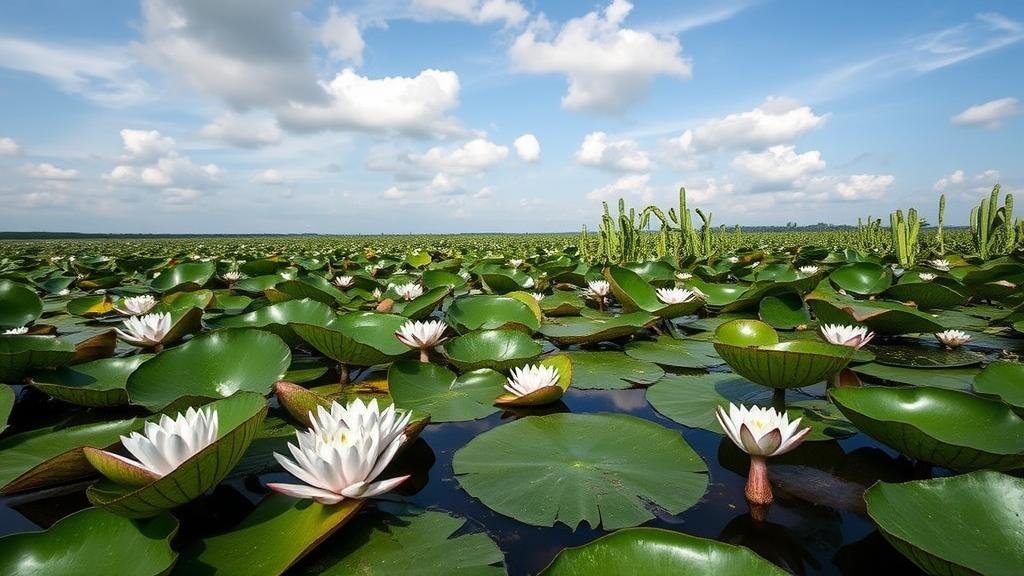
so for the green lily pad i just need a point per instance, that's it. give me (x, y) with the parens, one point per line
(210, 366)
(435, 390)
(980, 531)
(953, 429)
(239, 417)
(305, 288)
(277, 317)
(594, 328)
(442, 278)
(184, 277)
(19, 305)
(718, 295)
(602, 469)
(545, 394)
(90, 306)
(925, 357)
(20, 354)
(423, 305)
(494, 349)
(669, 351)
(97, 383)
(656, 552)
(1004, 380)
(490, 312)
(927, 295)
(862, 278)
(611, 371)
(691, 401)
(53, 455)
(635, 294)
(357, 338)
(562, 303)
(886, 318)
(7, 399)
(409, 544)
(746, 347)
(951, 378)
(785, 311)
(258, 284)
(92, 541)
(279, 532)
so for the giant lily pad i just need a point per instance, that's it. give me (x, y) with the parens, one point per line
(1004, 380)
(494, 349)
(656, 552)
(408, 544)
(210, 366)
(435, 390)
(595, 328)
(489, 312)
(635, 294)
(679, 353)
(953, 429)
(92, 541)
(862, 278)
(602, 469)
(239, 417)
(748, 347)
(611, 370)
(357, 338)
(19, 305)
(277, 317)
(97, 383)
(982, 519)
(20, 354)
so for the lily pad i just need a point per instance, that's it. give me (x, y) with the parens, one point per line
(1004, 380)
(746, 346)
(277, 317)
(184, 277)
(656, 552)
(210, 366)
(357, 338)
(953, 429)
(927, 295)
(490, 312)
(19, 305)
(96, 383)
(7, 399)
(602, 469)
(90, 306)
(562, 303)
(785, 311)
(596, 328)
(545, 394)
(981, 526)
(951, 378)
(423, 305)
(635, 294)
(611, 371)
(678, 353)
(239, 418)
(92, 541)
(494, 349)
(20, 354)
(435, 390)
(925, 357)
(862, 278)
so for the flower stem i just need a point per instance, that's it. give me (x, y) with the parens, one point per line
(779, 399)
(758, 490)
(343, 374)
(424, 355)
(158, 348)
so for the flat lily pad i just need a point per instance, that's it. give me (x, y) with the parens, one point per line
(980, 531)
(92, 541)
(435, 390)
(611, 371)
(602, 469)
(863, 278)
(20, 354)
(357, 338)
(490, 312)
(596, 328)
(951, 378)
(494, 349)
(1003, 380)
(277, 317)
(97, 383)
(678, 353)
(925, 357)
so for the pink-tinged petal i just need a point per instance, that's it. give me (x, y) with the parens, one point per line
(793, 442)
(747, 441)
(378, 488)
(770, 442)
(307, 492)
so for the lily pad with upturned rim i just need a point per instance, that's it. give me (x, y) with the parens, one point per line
(357, 338)
(675, 352)
(635, 294)
(494, 349)
(1003, 380)
(20, 354)
(19, 305)
(491, 312)
(97, 383)
(862, 278)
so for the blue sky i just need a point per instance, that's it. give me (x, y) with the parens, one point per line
(499, 115)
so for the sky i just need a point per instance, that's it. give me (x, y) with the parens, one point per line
(386, 116)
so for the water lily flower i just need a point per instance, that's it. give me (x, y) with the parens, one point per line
(166, 444)
(343, 282)
(940, 264)
(344, 452)
(232, 276)
(675, 295)
(409, 291)
(530, 282)
(146, 331)
(761, 433)
(684, 276)
(853, 336)
(926, 276)
(808, 269)
(135, 305)
(598, 288)
(64, 292)
(422, 335)
(516, 262)
(465, 275)
(531, 378)
(16, 331)
(538, 296)
(733, 259)
(952, 339)
(377, 293)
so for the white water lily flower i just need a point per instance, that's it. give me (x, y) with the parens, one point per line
(808, 269)
(136, 305)
(760, 432)
(343, 281)
(420, 335)
(926, 277)
(530, 282)
(675, 295)
(343, 452)
(465, 275)
(148, 330)
(538, 296)
(531, 378)
(733, 259)
(516, 263)
(684, 276)
(165, 445)
(952, 339)
(599, 288)
(853, 336)
(940, 264)
(16, 331)
(64, 292)
(409, 291)
(377, 293)
(232, 276)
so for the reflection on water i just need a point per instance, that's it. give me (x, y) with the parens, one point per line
(817, 524)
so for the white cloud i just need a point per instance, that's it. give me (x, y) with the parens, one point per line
(991, 114)
(527, 148)
(144, 145)
(102, 74)
(957, 177)
(864, 186)
(622, 155)
(416, 105)
(176, 197)
(340, 35)
(968, 186)
(472, 157)
(173, 170)
(778, 165)
(608, 67)
(636, 185)
(47, 171)
(510, 12)
(270, 177)
(711, 189)
(776, 121)
(243, 131)
(9, 147)
(394, 193)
